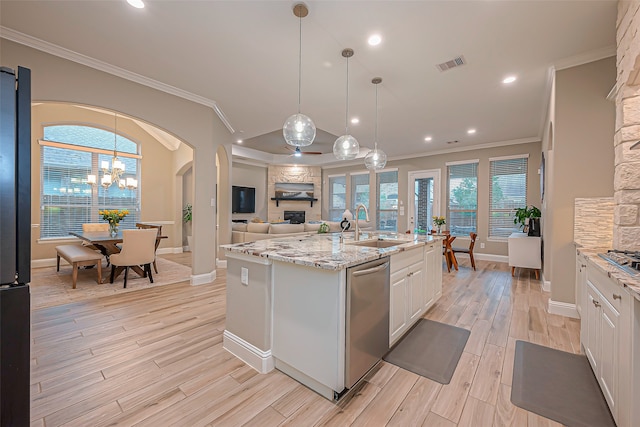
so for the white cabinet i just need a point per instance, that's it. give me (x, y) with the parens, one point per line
(524, 251)
(581, 282)
(605, 337)
(416, 283)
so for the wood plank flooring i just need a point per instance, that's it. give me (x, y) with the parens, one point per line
(154, 357)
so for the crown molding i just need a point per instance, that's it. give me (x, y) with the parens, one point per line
(61, 52)
(585, 58)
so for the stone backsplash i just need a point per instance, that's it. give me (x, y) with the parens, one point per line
(593, 222)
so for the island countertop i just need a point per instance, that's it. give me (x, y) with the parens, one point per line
(325, 250)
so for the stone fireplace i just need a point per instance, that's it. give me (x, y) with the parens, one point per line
(626, 227)
(294, 174)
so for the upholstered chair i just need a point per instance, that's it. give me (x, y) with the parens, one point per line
(138, 249)
(156, 227)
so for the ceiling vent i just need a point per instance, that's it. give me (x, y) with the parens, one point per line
(455, 141)
(453, 63)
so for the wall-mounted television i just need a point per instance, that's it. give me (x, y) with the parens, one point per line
(243, 199)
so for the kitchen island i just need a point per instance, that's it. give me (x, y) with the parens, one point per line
(288, 303)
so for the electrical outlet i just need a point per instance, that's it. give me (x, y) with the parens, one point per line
(244, 275)
(482, 245)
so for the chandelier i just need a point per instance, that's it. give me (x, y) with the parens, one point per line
(115, 175)
(299, 130)
(376, 159)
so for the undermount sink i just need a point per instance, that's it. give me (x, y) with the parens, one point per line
(376, 243)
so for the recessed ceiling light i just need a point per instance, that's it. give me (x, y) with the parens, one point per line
(509, 79)
(239, 141)
(471, 131)
(428, 138)
(138, 4)
(374, 40)
(355, 120)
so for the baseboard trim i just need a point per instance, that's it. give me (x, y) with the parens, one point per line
(261, 361)
(491, 257)
(47, 262)
(177, 250)
(221, 263)
(546, 285)
(202, 279)
(563, 309)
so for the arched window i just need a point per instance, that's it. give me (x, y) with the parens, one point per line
(68, 154)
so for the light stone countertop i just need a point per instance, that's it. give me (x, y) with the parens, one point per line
(625, 280)
(325, 250)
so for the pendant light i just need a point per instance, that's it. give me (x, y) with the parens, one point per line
(346, 147)
(376, 159)
(298, 129)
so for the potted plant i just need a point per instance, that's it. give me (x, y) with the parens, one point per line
(522, 215)
(187, 216)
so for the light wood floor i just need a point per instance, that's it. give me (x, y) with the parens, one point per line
(154, 358)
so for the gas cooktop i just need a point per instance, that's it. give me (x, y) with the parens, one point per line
(627, 261)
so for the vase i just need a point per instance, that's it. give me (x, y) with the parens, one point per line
(439, 229)
(113, 229)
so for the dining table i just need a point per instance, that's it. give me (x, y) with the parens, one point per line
(108, 245)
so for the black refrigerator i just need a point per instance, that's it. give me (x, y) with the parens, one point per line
(15, 245)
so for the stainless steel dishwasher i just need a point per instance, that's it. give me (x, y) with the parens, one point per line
(367, 323)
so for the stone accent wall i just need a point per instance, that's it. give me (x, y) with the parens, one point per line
(303, 174)
(593, 222)
(626, 227)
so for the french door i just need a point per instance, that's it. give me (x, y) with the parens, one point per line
(424, 199)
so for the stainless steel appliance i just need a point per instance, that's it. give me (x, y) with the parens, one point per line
(627, 261)
(15, 245)
(367, 323)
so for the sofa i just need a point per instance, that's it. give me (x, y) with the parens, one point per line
(241, 233)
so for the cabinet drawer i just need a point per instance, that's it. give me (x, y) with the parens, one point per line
(610, 290)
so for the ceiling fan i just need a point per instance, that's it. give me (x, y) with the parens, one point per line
(298, 153)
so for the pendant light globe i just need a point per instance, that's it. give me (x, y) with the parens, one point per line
(376, 159)
(346, 147)
(299, 130)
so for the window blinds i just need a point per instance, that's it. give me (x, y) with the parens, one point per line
(508, 191)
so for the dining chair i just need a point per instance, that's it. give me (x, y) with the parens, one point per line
(469, 250)
(154, 226)
(138, 249)
(449, 256)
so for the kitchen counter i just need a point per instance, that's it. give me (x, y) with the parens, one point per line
(622, 278)
(325, 250)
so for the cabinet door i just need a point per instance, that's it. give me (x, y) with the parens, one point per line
(609, 338)
(397, 305)
(431, 266)
(592, 335)
(416, 279)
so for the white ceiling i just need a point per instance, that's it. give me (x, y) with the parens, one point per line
(244, 56)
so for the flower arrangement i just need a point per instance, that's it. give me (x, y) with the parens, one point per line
(439, 221)
(114, 216)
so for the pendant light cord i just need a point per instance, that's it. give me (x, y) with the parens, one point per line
(115, 135)
(375, 140)
(346, 115)
(299, 63)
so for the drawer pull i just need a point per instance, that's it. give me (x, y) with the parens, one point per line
(596, 303)
(584, 265)
(616, 296)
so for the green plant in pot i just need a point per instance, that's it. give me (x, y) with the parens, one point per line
(187, 216)
(522, 214)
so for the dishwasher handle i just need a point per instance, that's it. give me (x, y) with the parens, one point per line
(371, 270)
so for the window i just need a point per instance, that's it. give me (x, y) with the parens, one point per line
(359, 192)
(337, 197)
(508, 177)
(463, 198)
(387, 209)
(66, 200)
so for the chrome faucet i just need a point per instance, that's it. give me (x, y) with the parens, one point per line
(366, 214)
